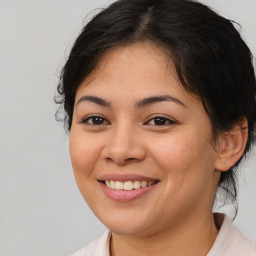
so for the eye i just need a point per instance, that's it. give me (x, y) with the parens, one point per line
(160, 121)
(95, 120)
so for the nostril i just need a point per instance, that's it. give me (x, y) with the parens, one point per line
(122, 154)
(130, 159)
(124, 159)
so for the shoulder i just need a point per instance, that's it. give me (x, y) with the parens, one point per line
(230, 241)
(98, 247)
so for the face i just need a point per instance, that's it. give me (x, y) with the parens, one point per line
(141, 145)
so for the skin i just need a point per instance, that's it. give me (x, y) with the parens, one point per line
(175, 218)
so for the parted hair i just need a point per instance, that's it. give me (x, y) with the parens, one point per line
(211, 59)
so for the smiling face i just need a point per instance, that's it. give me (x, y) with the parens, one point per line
(141, 145)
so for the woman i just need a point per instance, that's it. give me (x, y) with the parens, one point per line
(160, 103)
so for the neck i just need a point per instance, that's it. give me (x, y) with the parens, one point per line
(193, 237)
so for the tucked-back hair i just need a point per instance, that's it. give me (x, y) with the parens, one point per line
(210, 57)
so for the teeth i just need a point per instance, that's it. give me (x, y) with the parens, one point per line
(118, 185)
(136, 184)
(112, 184)
(143, 184)
(107, 182)
(127, 185)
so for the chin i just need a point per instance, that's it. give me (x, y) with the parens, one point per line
(127, 228)
(128, 223)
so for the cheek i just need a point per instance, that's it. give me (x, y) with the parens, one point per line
(186, 148)
(187, 162)
(84, 152)
(173, 153)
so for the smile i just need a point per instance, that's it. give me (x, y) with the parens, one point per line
(128, 185)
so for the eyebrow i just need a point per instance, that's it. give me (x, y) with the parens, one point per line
(160, 98)
(141, 103)
(94, 99)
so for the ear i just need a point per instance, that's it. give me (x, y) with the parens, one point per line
(231, 145)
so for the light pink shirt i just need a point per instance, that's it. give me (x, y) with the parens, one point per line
(229, 242)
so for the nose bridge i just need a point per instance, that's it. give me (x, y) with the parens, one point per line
(123, 144)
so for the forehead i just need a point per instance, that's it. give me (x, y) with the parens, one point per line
(140, 68)
(142, 51)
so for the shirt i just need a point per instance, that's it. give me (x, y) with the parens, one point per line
(229, 242)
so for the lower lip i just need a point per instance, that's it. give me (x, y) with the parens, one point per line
(125, 195)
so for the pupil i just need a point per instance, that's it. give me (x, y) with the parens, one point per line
(160, 121)
(97, 120)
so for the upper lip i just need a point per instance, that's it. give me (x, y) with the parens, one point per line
(126, 177)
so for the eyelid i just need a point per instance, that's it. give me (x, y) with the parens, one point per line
(84, 120)
(168, 119)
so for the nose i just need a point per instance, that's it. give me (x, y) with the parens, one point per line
(123, 146)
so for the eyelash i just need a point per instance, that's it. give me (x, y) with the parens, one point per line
(160, 119)
(86, 120)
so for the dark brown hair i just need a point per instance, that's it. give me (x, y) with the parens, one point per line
(211, 60)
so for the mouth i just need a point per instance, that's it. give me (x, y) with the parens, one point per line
(125, 188)
(128, 185)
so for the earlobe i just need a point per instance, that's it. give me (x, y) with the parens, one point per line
(231, 145)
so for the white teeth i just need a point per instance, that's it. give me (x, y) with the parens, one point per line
(127, 185)
(143, 184)
(136, 184)
(112, 184)
(119, 185)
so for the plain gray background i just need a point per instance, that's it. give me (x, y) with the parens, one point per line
(41, 210)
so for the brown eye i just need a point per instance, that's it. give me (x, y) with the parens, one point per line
(95, 120)
(160, 121)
